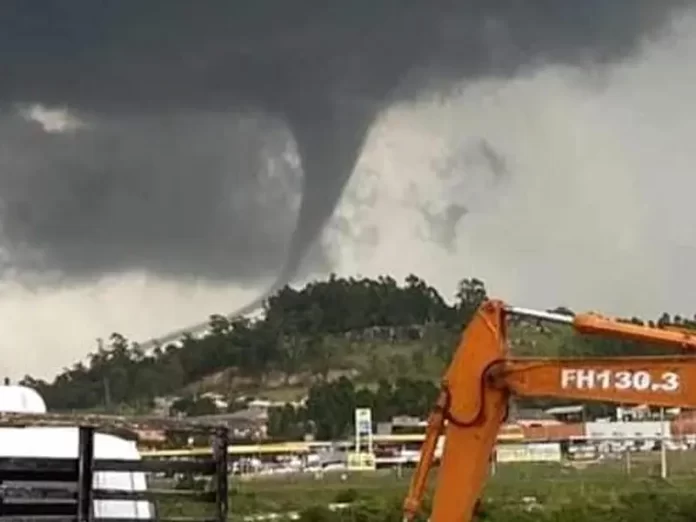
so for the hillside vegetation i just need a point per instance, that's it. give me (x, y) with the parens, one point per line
(341, 342)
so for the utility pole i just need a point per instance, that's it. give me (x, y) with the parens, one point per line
(663, 445)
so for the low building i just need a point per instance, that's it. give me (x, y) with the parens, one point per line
(573, 413)
(531, 417)
(250, 423)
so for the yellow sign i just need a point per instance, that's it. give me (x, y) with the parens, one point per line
(535, 452)
(361, 461)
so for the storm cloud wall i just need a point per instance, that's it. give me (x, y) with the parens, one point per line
(211, 143)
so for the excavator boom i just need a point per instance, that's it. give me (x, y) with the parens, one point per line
(596, 324)
(472, 404)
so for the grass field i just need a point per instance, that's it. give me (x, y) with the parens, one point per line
(551, 488)
(552, 485)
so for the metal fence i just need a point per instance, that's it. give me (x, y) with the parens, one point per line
(610, 458)
(66, 489)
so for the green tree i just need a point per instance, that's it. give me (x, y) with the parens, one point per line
(301, 332)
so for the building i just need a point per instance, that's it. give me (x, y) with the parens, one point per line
(249, 423)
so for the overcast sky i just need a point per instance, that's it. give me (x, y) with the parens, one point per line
(163, 161)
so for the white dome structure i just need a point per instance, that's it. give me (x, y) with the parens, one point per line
(20, 399)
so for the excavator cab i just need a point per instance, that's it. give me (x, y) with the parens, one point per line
(482, 376)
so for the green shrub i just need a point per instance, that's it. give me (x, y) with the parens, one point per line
(346, 496)
(644, 506)
(317, 514)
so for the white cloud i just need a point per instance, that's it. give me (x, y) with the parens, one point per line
(53, 120)
(44, 330)
(597, 212)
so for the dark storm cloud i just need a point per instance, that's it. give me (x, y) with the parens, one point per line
(169, 177)
(148, 192)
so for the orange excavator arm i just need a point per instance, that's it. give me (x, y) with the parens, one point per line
(472, 404)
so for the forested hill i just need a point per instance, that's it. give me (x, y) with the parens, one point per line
(374, 333)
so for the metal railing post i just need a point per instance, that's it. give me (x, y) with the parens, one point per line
(220, 448)
(85, 470)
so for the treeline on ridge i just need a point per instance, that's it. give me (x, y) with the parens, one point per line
(297, 333)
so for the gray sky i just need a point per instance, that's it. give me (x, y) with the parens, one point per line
(210, 143)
